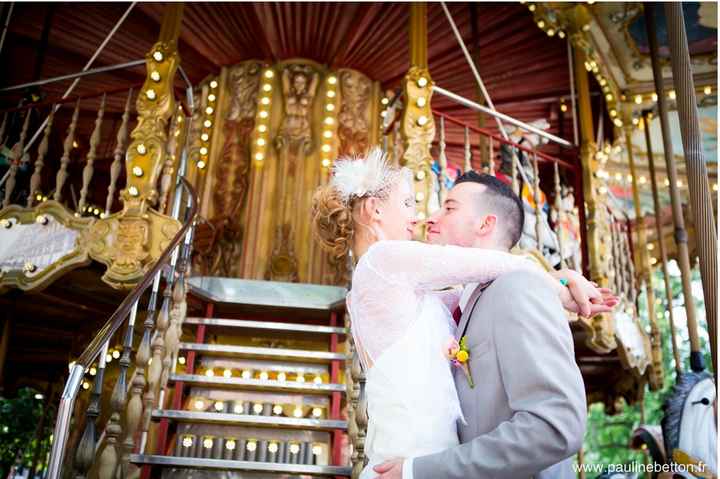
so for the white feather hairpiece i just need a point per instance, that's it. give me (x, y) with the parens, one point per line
(359, 177)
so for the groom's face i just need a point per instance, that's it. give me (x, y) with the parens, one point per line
(457, 222)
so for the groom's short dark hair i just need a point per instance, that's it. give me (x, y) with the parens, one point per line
(501, 200)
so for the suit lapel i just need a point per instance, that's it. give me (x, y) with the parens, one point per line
(468, 310)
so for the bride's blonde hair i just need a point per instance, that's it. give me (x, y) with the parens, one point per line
(354, 179)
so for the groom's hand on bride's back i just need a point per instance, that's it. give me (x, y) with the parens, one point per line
(583, 296)
(391, 469)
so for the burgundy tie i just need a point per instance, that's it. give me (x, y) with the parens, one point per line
(457, 314)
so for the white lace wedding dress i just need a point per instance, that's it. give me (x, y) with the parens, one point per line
(401, 326)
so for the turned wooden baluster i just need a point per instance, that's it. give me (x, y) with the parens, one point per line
(62, 174)
(560, 213)
(119, 395)
(179, 309)
(442, 160)
(536, 200)
(468, 151)
(491, 156)
(109, 461)
(85, 452)
(36, 178)
(134, 410)
(155, 368)
(118, 155)
(92, 153)
(16, 156)
(618, 266)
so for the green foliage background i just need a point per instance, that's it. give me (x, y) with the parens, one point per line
(19, 418)
(607, 437)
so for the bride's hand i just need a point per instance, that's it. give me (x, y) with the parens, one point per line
(582, 296)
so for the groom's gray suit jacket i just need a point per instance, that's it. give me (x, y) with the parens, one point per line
(526, 415)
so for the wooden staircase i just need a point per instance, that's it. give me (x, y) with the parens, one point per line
(258, 389)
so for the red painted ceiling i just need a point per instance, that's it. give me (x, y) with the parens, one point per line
(524, 70)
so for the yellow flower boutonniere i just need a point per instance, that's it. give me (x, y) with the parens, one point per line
(459, 356)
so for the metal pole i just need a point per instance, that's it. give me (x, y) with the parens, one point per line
(77, 80)
(477, 107)
(661, 245)
(572, 92)
(473, 68)
(696, 359)
(62, 424)
(79, 74)
(6, 25)
(698, 184)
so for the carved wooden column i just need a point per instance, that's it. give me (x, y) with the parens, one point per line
(596, 213)
(130, 241)
(417, 125)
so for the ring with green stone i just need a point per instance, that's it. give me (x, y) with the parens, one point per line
(564, 282)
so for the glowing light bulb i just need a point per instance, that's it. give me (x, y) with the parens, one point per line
(422, 120)
(116, 354)
(251, 446)
(209, 110)
(207, 123)
(298, 412)
(201, 164)
(208, 443)
(155, 75)
(219, 406)
(707, 90)
(422, 82)
(259, 156)
(181, 360)
(316, 412)
(86, 385)
(246, 374)
(269, 74)
(267, 87)
(227, 373)
(638, 99)
(300, 378)
(262, 128)
(203, 150)
(329, 107)
(213, 84)
(209, 373)
(230, 444)
(238, 408)
(331, 94)
(672, 95)
(137, 171)
(317, 450)
(421, 101)
(261, 142)
(281, 376)
(329, 120)
(273, 447)
(326, 148)
(277, 409)
(150, 94)
(158, 56)
(264, 376)
(211, 97)
(294, 448)
(318, 380)
(257, 408)
(187, 441)
(204, 137)
(263, 114)
(385, 101)
(141, 149)
(332, 79)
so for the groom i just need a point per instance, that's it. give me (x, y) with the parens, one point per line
(526, 416)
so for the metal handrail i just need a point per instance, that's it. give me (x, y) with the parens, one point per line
(72, 386)
(499, 139)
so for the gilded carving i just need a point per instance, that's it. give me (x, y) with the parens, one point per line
(353, 130)
(232, 173)
(418, 130)
(293, 143)
(128, 242)
(50, 242)
(128, 246)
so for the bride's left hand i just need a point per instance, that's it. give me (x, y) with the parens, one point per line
(583, 296)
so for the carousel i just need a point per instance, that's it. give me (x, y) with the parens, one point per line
(162, 293)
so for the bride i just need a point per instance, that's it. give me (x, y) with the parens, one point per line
(399, 303)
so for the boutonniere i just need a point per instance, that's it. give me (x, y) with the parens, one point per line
(459, 355)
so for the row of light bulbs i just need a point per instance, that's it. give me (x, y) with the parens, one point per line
(151, 95)
(202, 404)
(262, 375)
(207, 125)
(251, 445)
(329, 120)
(263, 115)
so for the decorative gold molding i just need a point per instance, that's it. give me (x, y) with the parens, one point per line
(418, 131)
(30, 278)
(128, 242)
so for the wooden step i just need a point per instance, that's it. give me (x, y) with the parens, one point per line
(247, 466)
(252, 352)
(257, 384)
(229, 419)
(266, 325)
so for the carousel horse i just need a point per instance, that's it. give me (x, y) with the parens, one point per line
(689, 425)
(688, 436)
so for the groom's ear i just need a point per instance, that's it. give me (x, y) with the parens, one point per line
(486, 226)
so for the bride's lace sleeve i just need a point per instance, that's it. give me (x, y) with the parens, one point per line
(428, 267)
